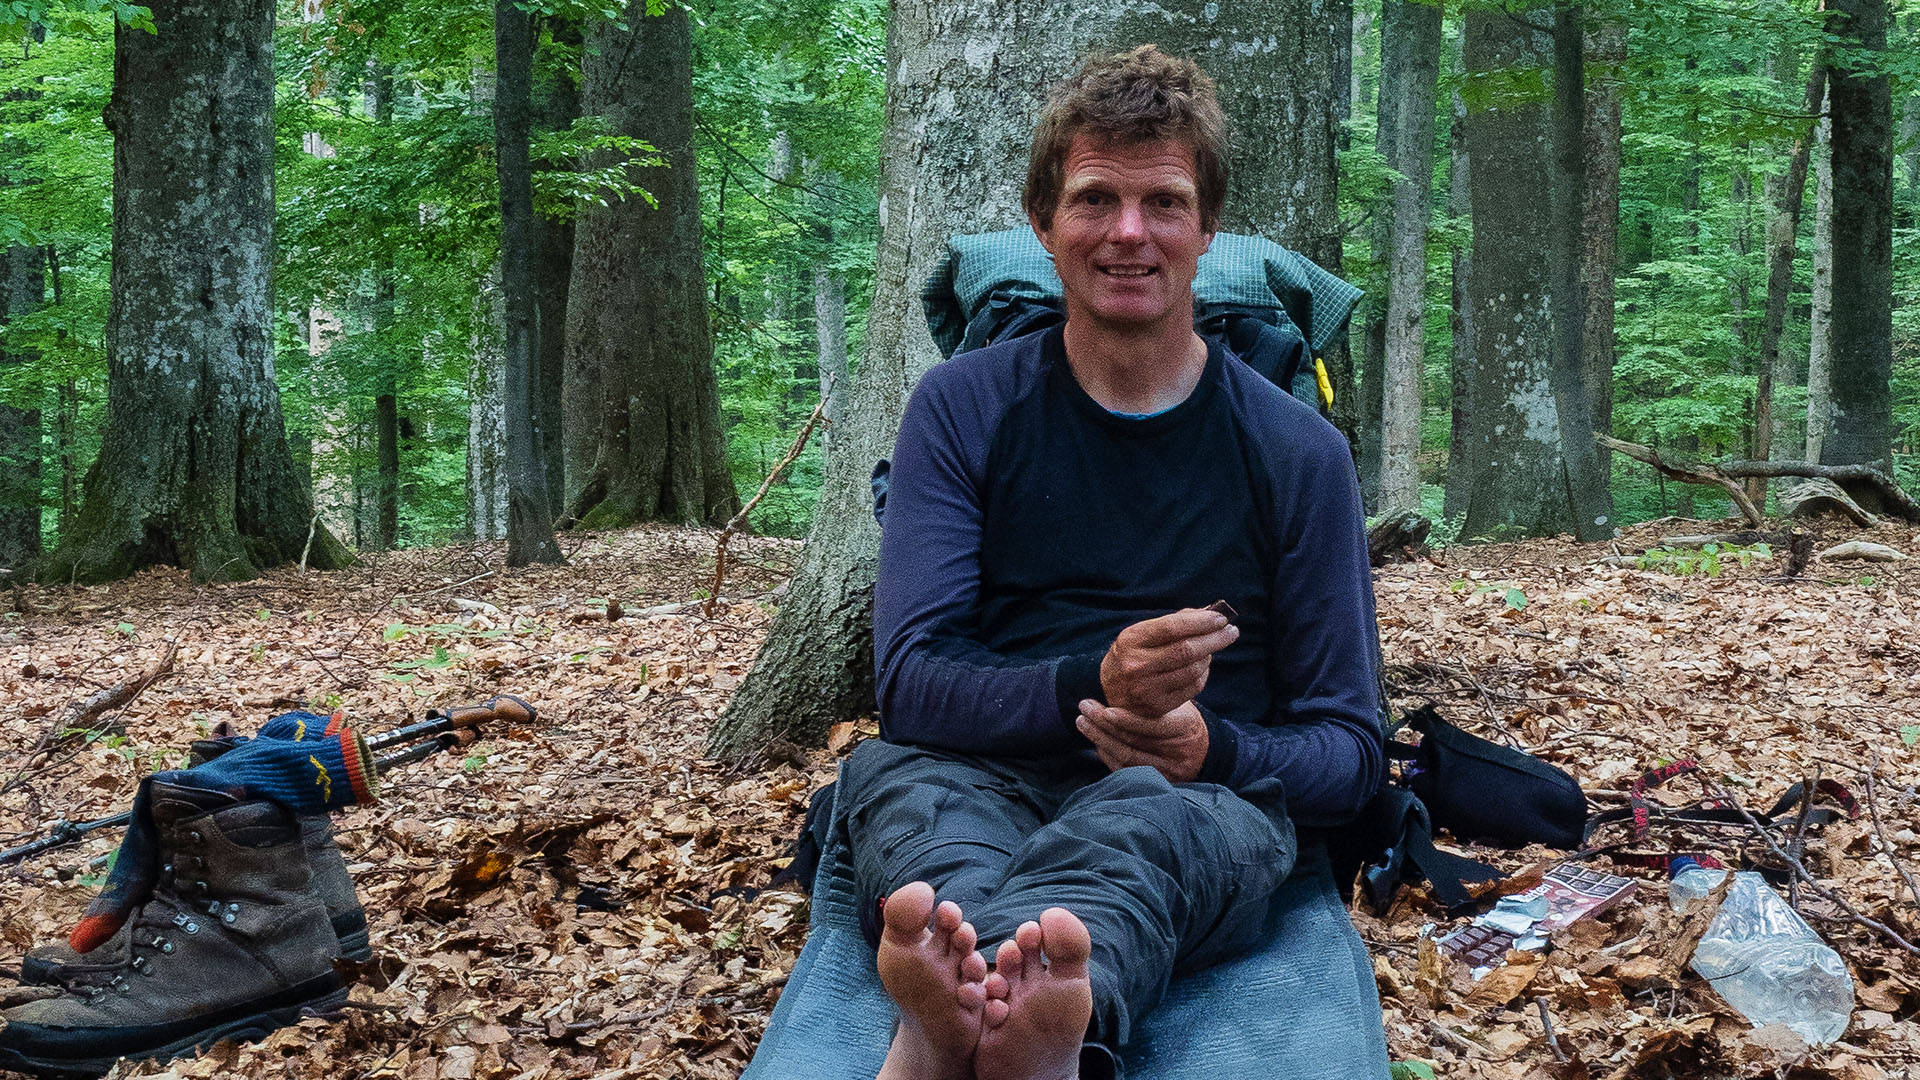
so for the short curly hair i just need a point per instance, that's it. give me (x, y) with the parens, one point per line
(1137, 96)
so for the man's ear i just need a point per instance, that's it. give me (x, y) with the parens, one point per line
(1046, 241)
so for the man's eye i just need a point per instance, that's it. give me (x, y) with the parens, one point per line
(1092, 198)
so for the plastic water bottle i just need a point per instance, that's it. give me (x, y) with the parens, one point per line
(1763, 958)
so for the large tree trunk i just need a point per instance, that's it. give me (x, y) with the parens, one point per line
(638, 313)
(964, 80)
(529, 508)
(22, 288)
(1519, 484)
(1410, 41)
(193, 468)
(1862, 111)
(1607, 50)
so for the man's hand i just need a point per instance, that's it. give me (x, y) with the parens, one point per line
(1156, 665)
(1176, 744)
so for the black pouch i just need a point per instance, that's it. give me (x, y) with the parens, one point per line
(1482, 791)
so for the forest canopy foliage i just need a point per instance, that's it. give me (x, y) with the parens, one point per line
(385, 181)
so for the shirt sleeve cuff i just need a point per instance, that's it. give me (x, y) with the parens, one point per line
(1223, 748)
(1076, 679)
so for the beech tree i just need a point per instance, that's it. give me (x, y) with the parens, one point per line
(1409, 75)
(639, 349)
(964, 82)
(529, 508)
(1529, 420)
(22, 287)
(193, 468)
(1862, 327)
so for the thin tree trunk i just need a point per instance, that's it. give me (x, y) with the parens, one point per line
(964, 79)
(193, 468)
(1461, 467)
(555, 107)
(529, 507)
(22, 290)
(1820, 318)
(487, 414)
(1786, 194)
(1607, 50)
(1862, 401)
(638, 312)
(830, 337)
(1410, 41)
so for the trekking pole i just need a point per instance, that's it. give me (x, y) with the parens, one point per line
(443, 729)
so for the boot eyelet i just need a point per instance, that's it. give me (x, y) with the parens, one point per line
(196, 837)
(166, 868)
(142, 965)
(227, 918)
(233, 907)
(213, 907)
(201, 885)
(199, 863)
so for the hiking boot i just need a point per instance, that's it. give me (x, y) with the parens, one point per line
(233, 943)
(56, 963)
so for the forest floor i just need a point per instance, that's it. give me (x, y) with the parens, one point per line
(587, 896)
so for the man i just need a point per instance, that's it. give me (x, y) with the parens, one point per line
(1083, 765)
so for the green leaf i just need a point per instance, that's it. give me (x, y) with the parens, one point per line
(1414, 1069)
(1516, 599)
(1910, 734)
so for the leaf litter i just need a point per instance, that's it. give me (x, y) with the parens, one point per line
(588, 897)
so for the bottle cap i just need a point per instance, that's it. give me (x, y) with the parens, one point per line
(1679, 864)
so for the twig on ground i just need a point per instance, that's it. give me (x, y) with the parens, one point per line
(1797, 847)
(1880, 830)
(82, 714)
(1546, 1023)
(307, 549)
(740, 519)
(443, 588)
(1800, 871)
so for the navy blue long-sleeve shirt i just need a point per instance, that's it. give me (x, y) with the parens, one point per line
(1027, 526)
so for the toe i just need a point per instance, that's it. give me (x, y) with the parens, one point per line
(1066, 941)
(971, 995)
(1031, 945)
(946, 917)
(995, 1012)
(907, 911)
(1010, 963)
(965, 939)
(973, 968)
(996, 986)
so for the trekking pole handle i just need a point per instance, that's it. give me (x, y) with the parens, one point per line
(423, 750)
(465, 717)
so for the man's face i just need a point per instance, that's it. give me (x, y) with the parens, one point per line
(1126, 236)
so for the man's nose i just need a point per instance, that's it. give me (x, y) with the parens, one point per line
(1130, 224)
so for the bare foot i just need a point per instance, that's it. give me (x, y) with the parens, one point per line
(1037, 1010)
(930, 967)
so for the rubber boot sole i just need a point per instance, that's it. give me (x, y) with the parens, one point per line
(246, 1027)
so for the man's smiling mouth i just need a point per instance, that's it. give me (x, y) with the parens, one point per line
(1129, 271)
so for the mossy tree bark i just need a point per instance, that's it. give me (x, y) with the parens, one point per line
(194, 468)
(964, 82)
(639, 350)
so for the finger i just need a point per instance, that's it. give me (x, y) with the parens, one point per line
(1185, 623)
(1122, 746)
(1122, 723)
(1146, 661)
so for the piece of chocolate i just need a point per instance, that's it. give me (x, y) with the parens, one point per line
(1223, 608)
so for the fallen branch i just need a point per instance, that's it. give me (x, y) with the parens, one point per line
(1896, 496)
(740, 519)
(1801, 873)
(1819, 495)
(1880, 831)
(1399, 537)
(1705, 474)
(82, 714)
